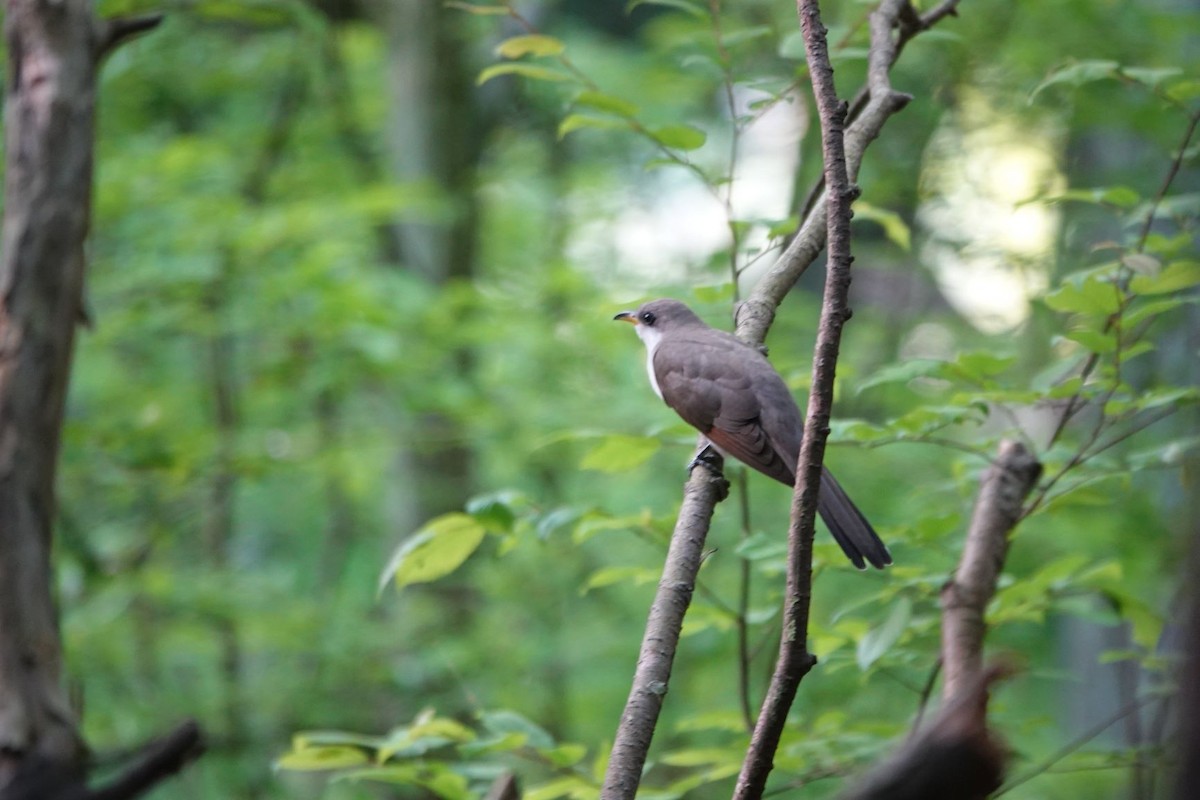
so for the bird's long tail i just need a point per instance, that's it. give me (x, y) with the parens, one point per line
(849, 527)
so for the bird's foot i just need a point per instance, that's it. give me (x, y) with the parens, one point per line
(708, 457)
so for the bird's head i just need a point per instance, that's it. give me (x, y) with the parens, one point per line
(656, 318)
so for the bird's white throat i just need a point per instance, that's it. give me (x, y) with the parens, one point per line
(650, 337)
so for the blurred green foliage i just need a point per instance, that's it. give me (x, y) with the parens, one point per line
(262, 383)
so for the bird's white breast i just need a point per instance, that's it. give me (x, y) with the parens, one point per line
(650, 337)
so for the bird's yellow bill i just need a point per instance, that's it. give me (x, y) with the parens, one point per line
(627, 316)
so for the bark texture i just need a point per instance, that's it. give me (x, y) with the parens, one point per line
(632, 742)
(998, 508)
(47, 200)
(54, 51)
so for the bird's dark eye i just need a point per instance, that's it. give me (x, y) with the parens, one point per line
(647, 317)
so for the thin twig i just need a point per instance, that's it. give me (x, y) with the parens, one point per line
(1076, 743)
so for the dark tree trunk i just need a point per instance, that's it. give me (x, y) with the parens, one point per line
(54, 49)
(47, 199)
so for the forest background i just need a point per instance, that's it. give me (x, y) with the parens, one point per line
(353, 268)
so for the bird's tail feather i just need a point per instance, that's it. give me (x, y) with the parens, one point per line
(849, 527)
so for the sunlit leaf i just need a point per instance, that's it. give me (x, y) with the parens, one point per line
(609, 576)
(574, 122)
(680, 137)
(601, 101)
(435, 550)
(573, 786)
(1088, 296)
(531, 71)
(322, 758)
(564, 755)
(533, 44)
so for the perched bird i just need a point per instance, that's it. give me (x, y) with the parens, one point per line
(728, 391)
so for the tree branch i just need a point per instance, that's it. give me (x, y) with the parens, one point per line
(1002, 493)
(754, 318)
(703, 491)
(755, 315)
(112, 33)
(794, 660)
(158, 760)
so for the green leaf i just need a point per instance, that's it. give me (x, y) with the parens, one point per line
(1174, 277)
(322, 758)
(565, 755)
(494, 510)
(680, 137)
(1078, 74)
(877, 641)
(573, 786)
(635, 576)
(1149, 76)
(905, 371)
(504, 722)
(1091, 295)
(602, 101)
(479, 10)
(894, 226)
(531, 71)
(437, 778)
(621, 453)
(534, 44)
(1184, 91)
(1150, 309)
(980, 365)
(1095, 341)
(1119, 196)
(435, 550)
(574, 122)
(694, 9)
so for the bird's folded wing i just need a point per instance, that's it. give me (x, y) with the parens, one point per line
(748, 442)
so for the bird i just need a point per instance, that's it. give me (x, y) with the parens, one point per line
(728, 390)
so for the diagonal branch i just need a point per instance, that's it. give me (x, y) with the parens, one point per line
(703, 491)
(755, 315)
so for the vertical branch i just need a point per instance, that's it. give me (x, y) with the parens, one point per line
(703, 491)
(794, 660)
(1002, 493)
